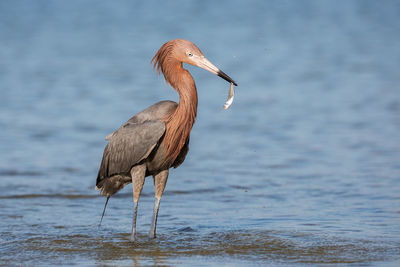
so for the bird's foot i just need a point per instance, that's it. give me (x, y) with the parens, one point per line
(132, 238)
(152, 235)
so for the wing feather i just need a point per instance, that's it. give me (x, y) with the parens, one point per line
(156, 111)
(128, 146)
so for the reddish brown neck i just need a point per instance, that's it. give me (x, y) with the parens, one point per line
(180, 122)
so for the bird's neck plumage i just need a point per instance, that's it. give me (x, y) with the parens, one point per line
(180, 122)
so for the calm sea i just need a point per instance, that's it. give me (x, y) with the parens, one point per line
(304, 168)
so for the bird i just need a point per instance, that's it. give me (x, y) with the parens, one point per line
(157, 138)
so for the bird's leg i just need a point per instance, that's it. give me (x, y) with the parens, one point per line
(138, 174)
(160, 181)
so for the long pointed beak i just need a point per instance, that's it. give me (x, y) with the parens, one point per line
(204, 63)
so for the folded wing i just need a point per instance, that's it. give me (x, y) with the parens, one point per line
(128, 146)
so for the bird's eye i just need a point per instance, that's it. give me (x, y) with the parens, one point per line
(189, 54)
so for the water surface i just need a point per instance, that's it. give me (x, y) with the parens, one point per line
(304, 168)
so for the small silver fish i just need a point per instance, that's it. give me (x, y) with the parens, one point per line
(231, 95)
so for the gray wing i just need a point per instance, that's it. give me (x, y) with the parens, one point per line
(156, 111)
(129, 145)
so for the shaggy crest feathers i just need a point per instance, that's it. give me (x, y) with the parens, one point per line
(162, 55)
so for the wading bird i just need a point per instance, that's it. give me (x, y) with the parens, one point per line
(157, 138)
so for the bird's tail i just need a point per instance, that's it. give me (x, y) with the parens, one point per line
(111, 185)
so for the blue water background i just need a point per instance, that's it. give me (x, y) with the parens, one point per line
(309, 152)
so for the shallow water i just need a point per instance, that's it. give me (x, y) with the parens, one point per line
(304, 168)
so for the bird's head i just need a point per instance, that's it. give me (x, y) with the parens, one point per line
(186, 52)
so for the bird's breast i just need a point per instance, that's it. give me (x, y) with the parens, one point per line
(158, 160)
